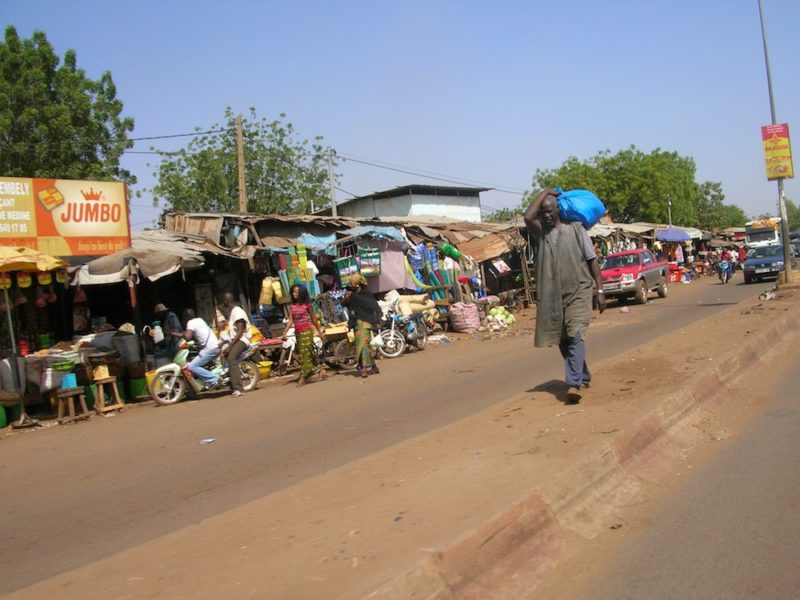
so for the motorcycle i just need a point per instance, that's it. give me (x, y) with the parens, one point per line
(400, 331)
(173, 382)
(725, 271)
(289, 360)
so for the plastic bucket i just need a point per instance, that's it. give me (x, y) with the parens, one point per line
(264, 368)
(70, 380)
(138, 387)
(90, 392)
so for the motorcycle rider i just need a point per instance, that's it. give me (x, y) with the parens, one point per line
(203, 335)
(724, 257)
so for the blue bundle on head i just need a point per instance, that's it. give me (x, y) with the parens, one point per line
(580, 205)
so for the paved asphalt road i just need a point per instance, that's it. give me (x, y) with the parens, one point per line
(76, 493)
(733, 531)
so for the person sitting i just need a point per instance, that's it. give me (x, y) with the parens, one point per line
(203, 335)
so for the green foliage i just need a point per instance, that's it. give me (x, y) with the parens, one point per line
(282, 175)
(793, 215)
(713, 214)
(502, 215)
(55, 122)
(640, 187)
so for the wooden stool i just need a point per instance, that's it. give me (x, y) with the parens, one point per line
(100, 402)
(67, 397)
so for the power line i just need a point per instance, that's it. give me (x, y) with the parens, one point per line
(428, 174)
(345, 191)
(178, 135)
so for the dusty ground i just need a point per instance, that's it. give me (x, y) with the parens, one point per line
(344, 532)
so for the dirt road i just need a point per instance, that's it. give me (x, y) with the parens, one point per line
(80, 493)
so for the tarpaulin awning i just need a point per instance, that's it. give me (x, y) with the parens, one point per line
(153, 254)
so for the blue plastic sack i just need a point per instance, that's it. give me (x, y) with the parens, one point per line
(580, 205)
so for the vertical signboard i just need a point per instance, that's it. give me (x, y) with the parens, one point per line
(64, 217)
(777, 151)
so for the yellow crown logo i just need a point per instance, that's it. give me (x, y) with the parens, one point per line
(92, 195)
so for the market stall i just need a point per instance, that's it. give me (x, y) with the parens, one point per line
(22, 263)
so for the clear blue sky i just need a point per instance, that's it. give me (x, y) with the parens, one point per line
(482, 92)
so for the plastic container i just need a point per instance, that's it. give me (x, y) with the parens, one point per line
(149, 377)
(138, 388)
(449, 250)
(70, 380)
(100, 372)
(128, 348)
(264, 368)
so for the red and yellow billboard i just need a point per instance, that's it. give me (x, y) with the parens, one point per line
(777, 151)
(64, 217)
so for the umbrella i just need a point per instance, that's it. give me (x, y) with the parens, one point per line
(672, 234)
(23, 259)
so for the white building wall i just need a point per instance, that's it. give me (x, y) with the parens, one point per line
(460, 208)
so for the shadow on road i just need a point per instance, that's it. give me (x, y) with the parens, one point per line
(554, 387)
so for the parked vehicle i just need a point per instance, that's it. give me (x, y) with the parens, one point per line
(633, 274)
(764, 261)
(173, 382)
(400, 331)
(336, 350)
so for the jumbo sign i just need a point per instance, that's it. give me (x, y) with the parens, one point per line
(64, 217)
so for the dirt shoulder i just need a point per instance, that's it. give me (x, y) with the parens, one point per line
(432, 516)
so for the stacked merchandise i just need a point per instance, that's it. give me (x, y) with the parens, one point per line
(423, 266)
(295, 270)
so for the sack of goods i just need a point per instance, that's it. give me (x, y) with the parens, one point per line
(580, 205)
(464, 318)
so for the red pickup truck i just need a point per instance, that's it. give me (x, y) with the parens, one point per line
(634, 273)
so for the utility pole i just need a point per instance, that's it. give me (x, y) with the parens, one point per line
(332, 182)
(787, 246)
(240, 156)
(669, 209)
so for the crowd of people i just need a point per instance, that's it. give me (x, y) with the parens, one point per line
(235, 335)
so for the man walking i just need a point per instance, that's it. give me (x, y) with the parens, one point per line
(239, 333)
(567, 279)
(198, 329)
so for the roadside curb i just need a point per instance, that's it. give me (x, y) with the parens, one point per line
(507, 556)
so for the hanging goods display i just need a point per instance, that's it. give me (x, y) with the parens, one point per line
(369, 260)
(346, 266)
(267, 291)
(24, 280)
(449, 250)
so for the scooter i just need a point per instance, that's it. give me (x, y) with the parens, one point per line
(725, 271)
(173, 382)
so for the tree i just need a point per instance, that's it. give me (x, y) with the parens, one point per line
(502, 215)
(282, 175)
(55, 122)
(641, 187)
(793, 215)
(713, 214)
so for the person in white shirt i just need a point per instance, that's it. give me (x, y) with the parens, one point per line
(239, 332)
(197, 329)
